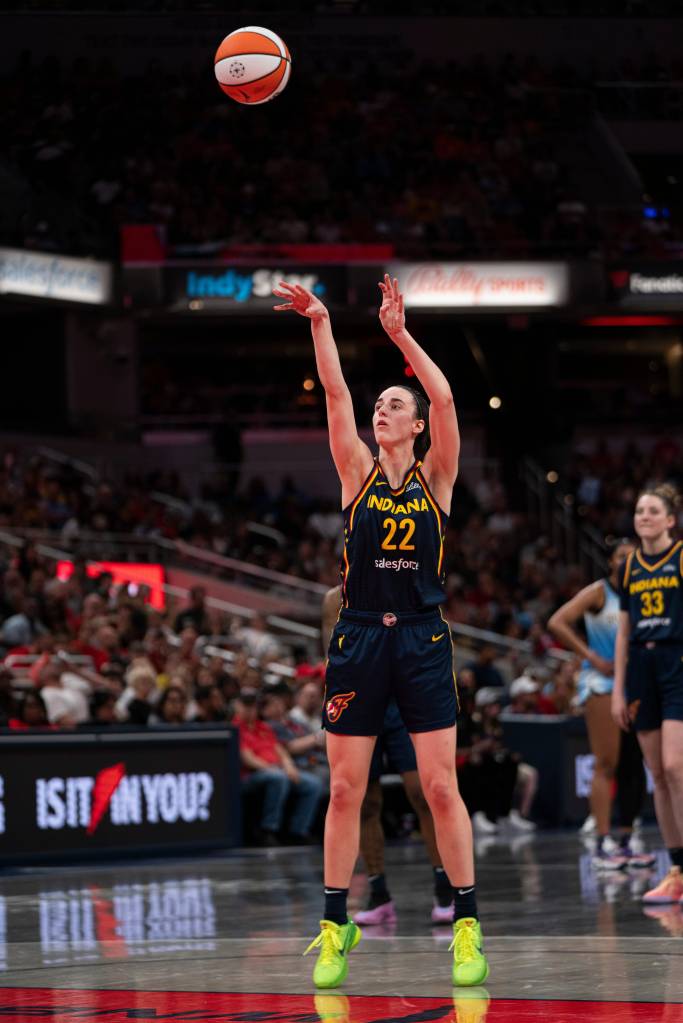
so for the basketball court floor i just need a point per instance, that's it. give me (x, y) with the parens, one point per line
(221, 938)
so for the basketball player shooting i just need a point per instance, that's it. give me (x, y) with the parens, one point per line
(391, 639)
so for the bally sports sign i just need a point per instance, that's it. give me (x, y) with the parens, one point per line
(482, 285)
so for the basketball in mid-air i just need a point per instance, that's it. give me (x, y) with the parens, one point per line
(252, 65)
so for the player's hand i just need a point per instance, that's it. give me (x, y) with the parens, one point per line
(620, 712)
(292, 773)
(301, 301)
(391, 313)
(601, 664)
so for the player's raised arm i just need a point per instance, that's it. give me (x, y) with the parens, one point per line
(443, 454)
(590, 599)
(351, 456)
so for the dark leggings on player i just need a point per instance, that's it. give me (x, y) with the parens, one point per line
(630, 780)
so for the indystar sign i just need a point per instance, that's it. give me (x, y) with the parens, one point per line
(482, 285)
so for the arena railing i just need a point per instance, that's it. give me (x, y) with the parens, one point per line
(103, 546)
(552, 507)
(468, 638)
(287, 629)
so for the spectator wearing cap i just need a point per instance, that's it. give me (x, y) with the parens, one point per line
(305, 745)
(526, 697)
(267, 767)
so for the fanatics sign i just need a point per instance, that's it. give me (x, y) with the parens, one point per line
(657, 286)
(482, 285)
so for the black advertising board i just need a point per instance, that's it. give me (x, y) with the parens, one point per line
(247, 288)
(557, 746)
(653, 286)
(118, 791)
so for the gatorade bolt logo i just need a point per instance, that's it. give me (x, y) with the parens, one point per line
(337, 705)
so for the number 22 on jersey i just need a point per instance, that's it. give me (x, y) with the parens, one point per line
(405, 525)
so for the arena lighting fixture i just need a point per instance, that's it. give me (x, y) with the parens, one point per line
(308, 384)
(552, 476)
(495, 402)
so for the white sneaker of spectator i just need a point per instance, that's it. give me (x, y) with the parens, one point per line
(588, 827)
(515, 820)
(482, 824)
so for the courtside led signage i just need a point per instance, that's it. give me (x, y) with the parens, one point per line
(118, 789)
(657, 286)
(125, 573)
(482, 285)
(38, 275)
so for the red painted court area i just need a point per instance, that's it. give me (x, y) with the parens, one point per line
(468, 1006)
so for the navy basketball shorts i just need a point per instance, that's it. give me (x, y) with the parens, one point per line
(394, 750)
(654, 684)
(374, 657)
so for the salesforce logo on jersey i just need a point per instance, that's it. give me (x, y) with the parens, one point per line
(249, 287)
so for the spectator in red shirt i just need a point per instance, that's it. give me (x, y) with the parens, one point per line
(267, 766)
(105, 647)
(31, 713)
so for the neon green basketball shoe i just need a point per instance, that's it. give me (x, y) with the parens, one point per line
(335, 941)
(469, 962)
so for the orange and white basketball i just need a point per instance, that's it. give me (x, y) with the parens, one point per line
(252, 65)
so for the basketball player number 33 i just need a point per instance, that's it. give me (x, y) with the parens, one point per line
(391, 525)
(651, 603)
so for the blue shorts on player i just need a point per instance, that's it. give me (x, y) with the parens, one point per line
(374, 658)
(654, 684)
(592, 683)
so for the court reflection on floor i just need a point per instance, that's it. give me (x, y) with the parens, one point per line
(88, 923)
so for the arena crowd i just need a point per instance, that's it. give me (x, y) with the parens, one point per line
(83, 652)
(481, 172)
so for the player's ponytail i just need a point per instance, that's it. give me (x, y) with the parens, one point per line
(422, 440)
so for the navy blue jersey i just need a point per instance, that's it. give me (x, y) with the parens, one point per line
(651, 591)
(393, 546)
